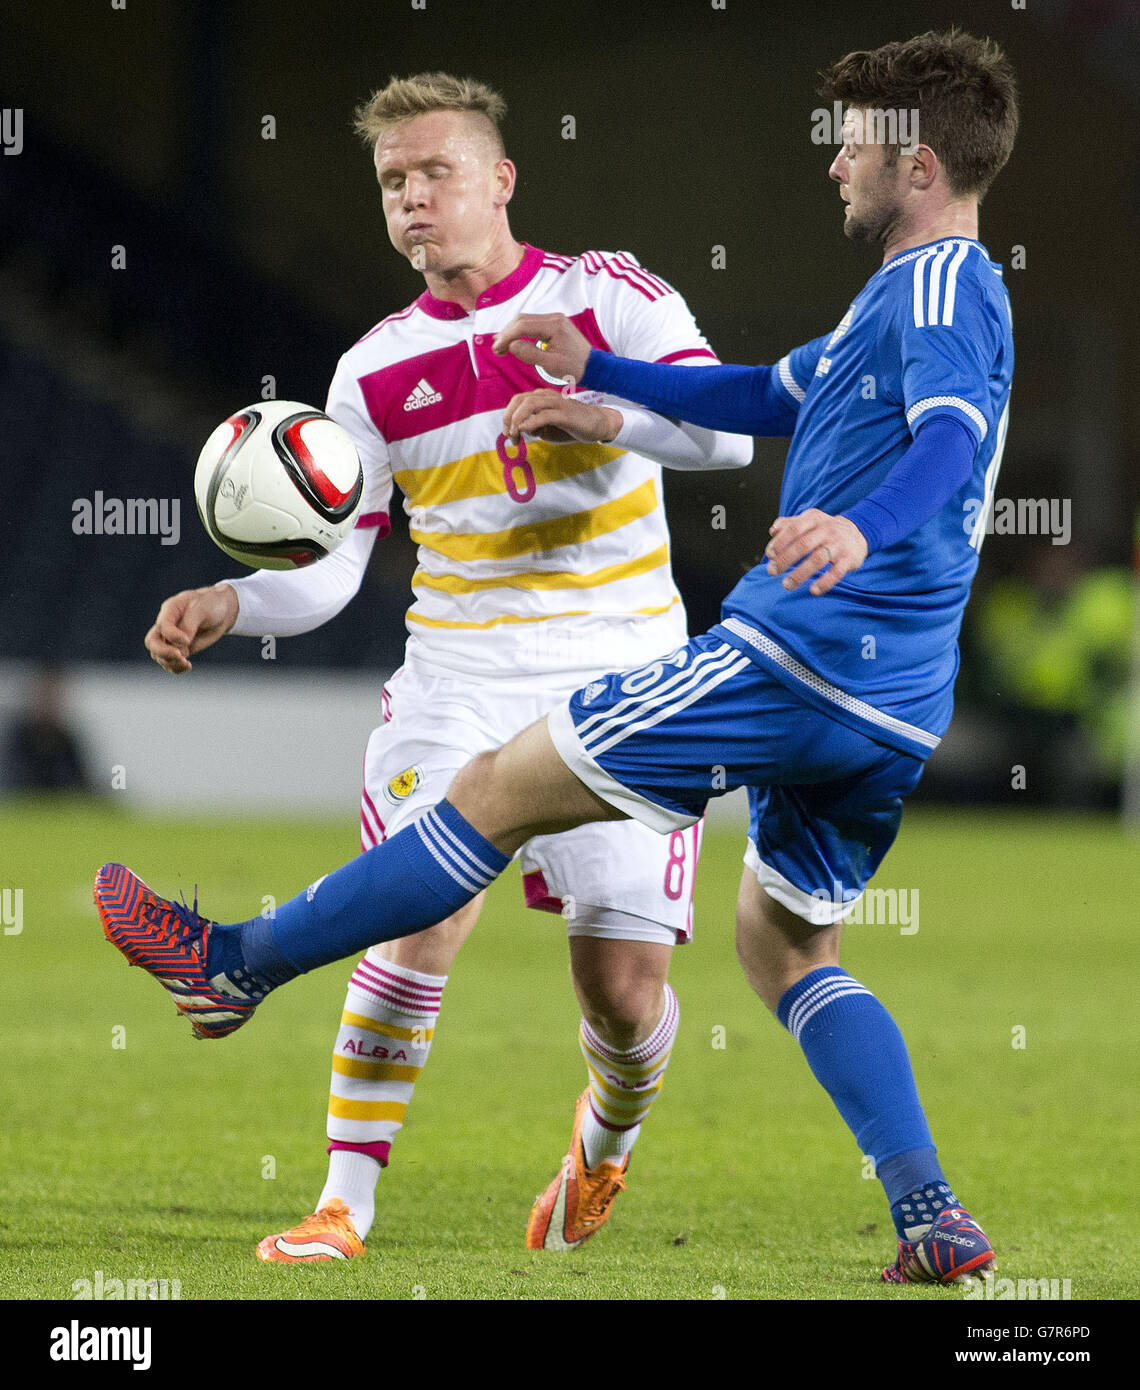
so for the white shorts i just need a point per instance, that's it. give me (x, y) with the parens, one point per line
(609, 878)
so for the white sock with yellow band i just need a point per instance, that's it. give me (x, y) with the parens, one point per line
(382, 1046)
(623, 1085)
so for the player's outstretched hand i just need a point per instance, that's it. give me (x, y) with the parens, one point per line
(560, 419)
(563, 351)
(189, 621)
(814, 541)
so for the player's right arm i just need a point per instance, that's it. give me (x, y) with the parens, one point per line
(285, 603)
(281, 603)
(763, 400)
(188, 622)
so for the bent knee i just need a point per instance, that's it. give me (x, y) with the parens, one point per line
(776, 949)
(620, 1022)
(763, 973)
(623, 1007)
(472, 778)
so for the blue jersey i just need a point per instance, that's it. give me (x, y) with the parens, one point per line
(929, 335)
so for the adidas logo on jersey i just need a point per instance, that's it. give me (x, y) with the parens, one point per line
(422, 394)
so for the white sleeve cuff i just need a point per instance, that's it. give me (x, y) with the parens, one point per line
(675, 444)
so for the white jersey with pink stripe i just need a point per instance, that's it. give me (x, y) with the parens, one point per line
(537, 558)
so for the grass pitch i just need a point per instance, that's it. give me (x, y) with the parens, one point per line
(131, 1149)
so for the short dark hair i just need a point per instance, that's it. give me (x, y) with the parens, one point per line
(962, 87)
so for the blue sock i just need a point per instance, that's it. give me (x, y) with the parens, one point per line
(916, 1202)
(858, 1056)
(420, 876)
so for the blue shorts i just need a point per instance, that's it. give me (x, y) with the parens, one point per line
(659, 741)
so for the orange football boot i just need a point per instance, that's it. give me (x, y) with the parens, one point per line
(579, 1200)
(326, 1235)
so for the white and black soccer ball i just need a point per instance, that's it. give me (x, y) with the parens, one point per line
(278, 485)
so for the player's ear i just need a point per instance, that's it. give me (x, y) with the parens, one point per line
(505, 177)
(923, 166)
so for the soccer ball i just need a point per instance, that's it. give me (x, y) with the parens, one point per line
(278, 485)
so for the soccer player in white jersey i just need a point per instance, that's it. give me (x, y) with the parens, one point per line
(541, 562)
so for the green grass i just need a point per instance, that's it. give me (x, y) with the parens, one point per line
(148, 1160)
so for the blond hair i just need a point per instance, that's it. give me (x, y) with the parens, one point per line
(406, 97)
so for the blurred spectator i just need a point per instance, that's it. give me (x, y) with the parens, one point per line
(40, 750)
(1057, 644)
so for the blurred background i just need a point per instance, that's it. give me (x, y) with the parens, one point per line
(160, 259)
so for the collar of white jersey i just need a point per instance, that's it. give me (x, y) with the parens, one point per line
(502, 290)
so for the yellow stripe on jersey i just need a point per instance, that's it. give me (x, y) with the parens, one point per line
(387, 1030)
(543, 535)
(543, 579)
(365, 1069)
(482, 474)
(367, 1109)
(414, 617)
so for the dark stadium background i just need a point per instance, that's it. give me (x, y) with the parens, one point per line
(248, 257)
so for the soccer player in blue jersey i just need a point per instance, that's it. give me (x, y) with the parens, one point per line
(897, 420)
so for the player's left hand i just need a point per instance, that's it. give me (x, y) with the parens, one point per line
(814, 541)
(560, 419)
